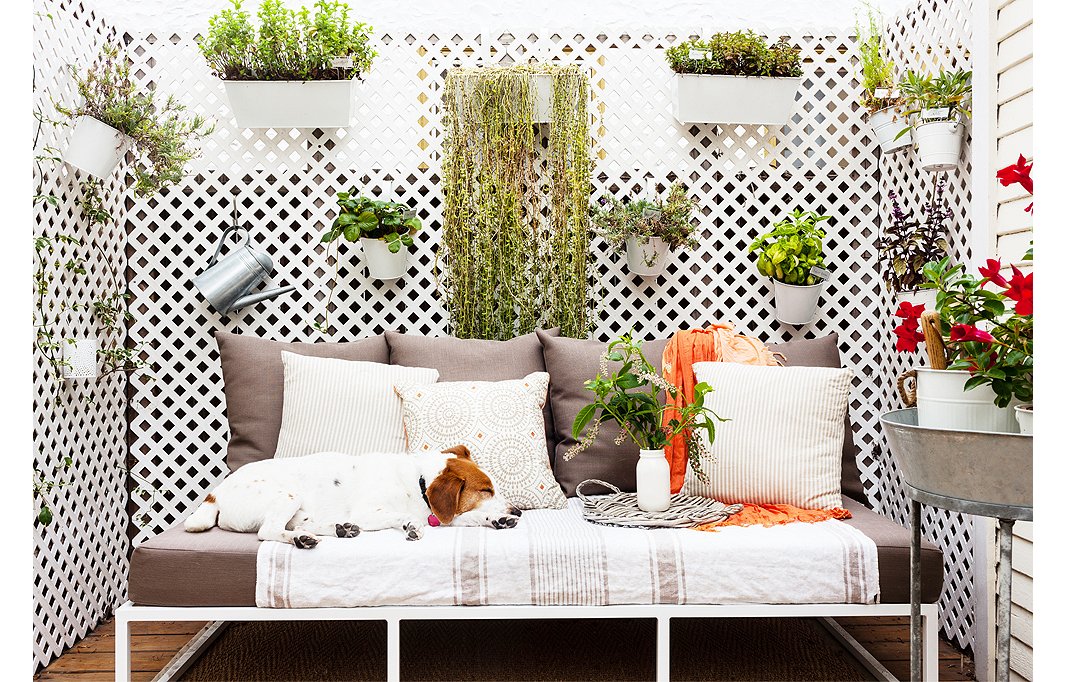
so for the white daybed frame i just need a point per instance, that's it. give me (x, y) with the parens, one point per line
(662, 613)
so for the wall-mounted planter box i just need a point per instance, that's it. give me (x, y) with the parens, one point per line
(291, 104)
(939, 144)
(733, 99)
(886, 125)
(96, 147)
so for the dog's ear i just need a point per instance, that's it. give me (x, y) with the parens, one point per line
(443, 495)
(460, 451)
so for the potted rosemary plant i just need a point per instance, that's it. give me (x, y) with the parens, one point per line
(907, 245)
(384, 229)
(734, 78)
(297, 70)
(940, 105)
(648, 230)
(115, 116)
(884, 106)
(791, 255)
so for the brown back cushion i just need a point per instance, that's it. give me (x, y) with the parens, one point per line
(255, 385)
(570, 363)
(823, 352)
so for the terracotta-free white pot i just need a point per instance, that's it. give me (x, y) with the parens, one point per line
(926, 297)
(1024, 415)
(796, 305)
(886, 124)
(939, 144)
(943, 403)
(647, 259)
(291, 104)
(382, 263)
(702, 98)
(96, 147)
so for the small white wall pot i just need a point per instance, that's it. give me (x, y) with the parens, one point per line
(1024, 415)
(939, 144)
(96, 147)
(542, 98)
(886, 124)
(943, 403)
(291, 104)
(382, 263)
(647, 259)
(796, 305)
(653, 481)
(79, 359)
(701, 98)
(926, 297)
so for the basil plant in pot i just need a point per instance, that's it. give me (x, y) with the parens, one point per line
(940, 106)
(297, 69)
(791, 255)
(648, 230)
(734, 78)
(384, 229)
(882, 100)
(907, 245)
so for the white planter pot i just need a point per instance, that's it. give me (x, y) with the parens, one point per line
(886, 125)
(382, 263)
(646, 260)
(733, 99)
(542, 102)
(1024, 415)
(939, 144)
(926, 297)
(944, 404)
(653, 481)
(96, 147)
(291, 104)
(796, 305)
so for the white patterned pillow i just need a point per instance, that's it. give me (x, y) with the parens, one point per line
(343, 405)
(782, 443)
(502, 424)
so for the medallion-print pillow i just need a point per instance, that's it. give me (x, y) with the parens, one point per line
(502, 424)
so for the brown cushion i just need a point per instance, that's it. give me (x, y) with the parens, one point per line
(475, 360)
(823, 352)
(254, 382)
(570, 363)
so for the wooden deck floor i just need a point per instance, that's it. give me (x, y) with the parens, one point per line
(154, 644)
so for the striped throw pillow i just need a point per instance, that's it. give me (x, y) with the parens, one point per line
(343, 405)
(782, 442)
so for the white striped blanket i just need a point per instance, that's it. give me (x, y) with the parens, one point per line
(555, 557)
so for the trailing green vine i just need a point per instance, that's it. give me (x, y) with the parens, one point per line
(515, 262)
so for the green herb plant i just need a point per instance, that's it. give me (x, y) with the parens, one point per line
(296, 45)
(669, 220)
(789, 251)
(877, 71)
(949, 91)
(741, 53)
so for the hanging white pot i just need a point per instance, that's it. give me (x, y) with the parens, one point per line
(646, 258)
(96, 147)
(542, 98)
(653, 481)
(926, 297)
(291, 104)
(796, 305)
(943, 403)
(701, 98)
(1024, 415)
(382, 263)
(939, 144)
(886, 124)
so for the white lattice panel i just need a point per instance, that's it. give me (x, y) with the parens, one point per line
(80, 558)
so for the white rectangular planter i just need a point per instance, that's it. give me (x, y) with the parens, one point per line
(291, 104)
(733, 99)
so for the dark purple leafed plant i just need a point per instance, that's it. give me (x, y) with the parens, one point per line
(907, 244)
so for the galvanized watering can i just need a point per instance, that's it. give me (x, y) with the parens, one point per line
(226, 283)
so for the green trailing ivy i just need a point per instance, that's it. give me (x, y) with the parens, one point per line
(515, 236)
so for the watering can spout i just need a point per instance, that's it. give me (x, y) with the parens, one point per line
(261, 296)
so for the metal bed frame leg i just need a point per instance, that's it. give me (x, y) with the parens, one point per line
(662, 649)
(916, 591)
(1005, 541)
(122, 647)
(393, 648)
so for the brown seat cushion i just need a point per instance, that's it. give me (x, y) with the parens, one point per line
(475, 360)
(217, 568)
(254, 382)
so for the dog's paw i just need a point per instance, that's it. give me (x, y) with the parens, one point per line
(414, 532)
(305, 541)
(505, 522)
(348, 530)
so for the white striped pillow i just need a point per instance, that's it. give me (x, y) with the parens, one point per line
(782, 443)
(343, 405)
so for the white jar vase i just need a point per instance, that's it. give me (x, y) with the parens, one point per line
(944, 403)
(886, 124)
(1024, 415)
(646, 258)
(653, 481)
(939, 144)
(382, 263)
(96, 147)
(795, 304)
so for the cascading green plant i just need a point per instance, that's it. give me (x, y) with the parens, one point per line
(515, 235)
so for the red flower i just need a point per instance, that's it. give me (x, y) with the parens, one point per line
(991, 273)
(911, 312)
(967, 332)
(1017, 173)
(908, 336)
(1021, 292)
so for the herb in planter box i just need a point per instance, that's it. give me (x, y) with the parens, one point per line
(648, 229)
(791, 255)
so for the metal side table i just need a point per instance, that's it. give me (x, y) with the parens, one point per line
(973, 472)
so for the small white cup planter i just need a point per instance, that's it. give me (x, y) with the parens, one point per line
(653, 481)
(382, 263)
(291, 104)
(939, 144)
(647, 259)
(796, 305)
(1024, 415)
(886, 125)
(96, 147)
(701, 98)
(943, 403)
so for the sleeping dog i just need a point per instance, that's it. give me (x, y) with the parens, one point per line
(299, 499)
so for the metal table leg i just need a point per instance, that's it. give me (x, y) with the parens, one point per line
(1005, 541)
(916, 591)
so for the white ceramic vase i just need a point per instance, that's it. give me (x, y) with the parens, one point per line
(647, 259)
(653, 481)
(943, 403)
(796, 305)
(96, 147)
(939, 144)
(382, 263)
(291, 104)
(703, 98)
(1024, 415)
(886, 124)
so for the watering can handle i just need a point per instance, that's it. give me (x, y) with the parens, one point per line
(222, 241)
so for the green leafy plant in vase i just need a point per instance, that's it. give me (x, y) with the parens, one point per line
(647, 230)
(791, 255)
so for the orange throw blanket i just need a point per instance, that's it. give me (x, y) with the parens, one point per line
(775, 515)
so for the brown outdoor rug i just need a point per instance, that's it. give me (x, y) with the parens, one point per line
(785, 649)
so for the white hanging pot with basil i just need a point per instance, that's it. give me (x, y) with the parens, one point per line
(95, 147)
(938, 138)
(796, 304)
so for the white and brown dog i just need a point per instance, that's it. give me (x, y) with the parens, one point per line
(298, 499)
